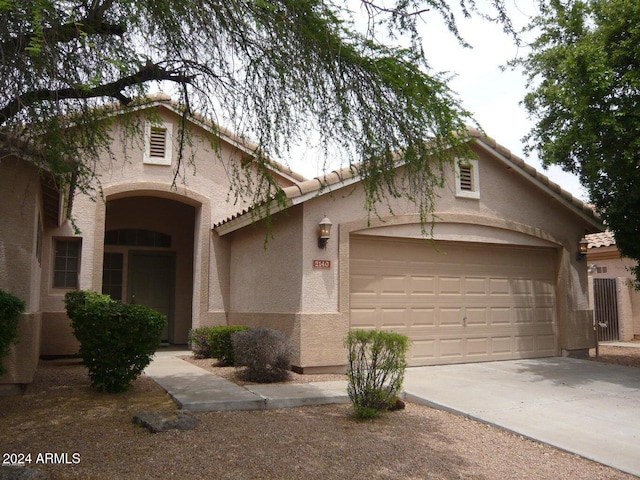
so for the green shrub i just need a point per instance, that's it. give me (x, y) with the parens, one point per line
(264, 352)
(199, 342)
(377, 361)
(117, 340)
(10, 309)
(220, 342)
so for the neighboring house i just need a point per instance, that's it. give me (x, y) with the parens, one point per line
(618, 302)
(501, 278)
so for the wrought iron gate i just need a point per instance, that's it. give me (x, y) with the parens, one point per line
(605, 306)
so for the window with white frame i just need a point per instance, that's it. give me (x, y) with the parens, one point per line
(158, 144)
(467, 183)
(66, 266)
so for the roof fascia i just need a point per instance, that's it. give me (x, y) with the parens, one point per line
(260, 213)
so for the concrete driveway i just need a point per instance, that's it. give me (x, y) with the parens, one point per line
(588, 408)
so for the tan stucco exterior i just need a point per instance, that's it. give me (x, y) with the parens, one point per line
(231, 268)
(511, 210)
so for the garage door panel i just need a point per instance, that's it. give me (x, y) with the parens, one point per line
(456, 302)
(393, 285)
(393, 318)
(421, 285)
(499, 287)
(475, 286)
(363, 284)
(450, 348)
(502, 345)
(423, 317)
(477, 347)
(451, 286)
(449, 316)
(499, 315)
(364, 318)
(476, 316)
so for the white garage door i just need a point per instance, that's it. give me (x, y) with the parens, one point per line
(457, 302)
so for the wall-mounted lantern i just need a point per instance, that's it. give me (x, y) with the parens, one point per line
(583, 246)
(325, 232)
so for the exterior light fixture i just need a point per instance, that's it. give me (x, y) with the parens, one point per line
(325, 232)
(583, 245)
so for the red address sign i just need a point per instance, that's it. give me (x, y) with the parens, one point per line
(322, 264)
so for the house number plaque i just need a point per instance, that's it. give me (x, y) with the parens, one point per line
(322, 264)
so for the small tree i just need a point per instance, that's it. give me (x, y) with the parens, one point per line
(376, 370)
(10, 309)
(117, 340)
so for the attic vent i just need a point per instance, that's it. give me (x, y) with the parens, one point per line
(158, 144)
(466, 181)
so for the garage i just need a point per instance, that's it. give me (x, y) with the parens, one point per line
(458, 302)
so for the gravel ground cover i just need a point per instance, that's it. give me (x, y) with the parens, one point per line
(60, 414)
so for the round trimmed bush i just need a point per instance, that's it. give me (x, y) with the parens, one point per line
(117, 340)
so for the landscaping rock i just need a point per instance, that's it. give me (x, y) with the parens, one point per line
(22, 473)
(166, 420)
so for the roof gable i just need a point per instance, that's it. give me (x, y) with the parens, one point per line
(284, 174)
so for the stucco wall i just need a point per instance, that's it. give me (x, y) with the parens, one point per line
(20, 212)
(266, 277)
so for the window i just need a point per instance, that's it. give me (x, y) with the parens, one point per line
(158, 144)
(66, 263)
(467, 182)
(137, 238)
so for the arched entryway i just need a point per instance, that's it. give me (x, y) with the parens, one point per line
(148, 257)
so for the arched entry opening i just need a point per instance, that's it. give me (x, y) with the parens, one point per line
(148, 258)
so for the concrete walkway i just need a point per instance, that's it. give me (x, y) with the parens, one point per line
(198, 390)
(588, 408)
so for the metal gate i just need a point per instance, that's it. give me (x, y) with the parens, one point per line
(605, 306)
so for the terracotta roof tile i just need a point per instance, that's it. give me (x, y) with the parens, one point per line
(604, 239)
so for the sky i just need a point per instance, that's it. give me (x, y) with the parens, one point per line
(491, 94)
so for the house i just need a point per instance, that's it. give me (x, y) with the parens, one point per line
(499, 279)
(617, 302)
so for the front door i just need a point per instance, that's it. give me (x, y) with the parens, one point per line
(151, 279)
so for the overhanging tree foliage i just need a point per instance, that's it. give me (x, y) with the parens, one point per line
(271, 70)
(584, 75)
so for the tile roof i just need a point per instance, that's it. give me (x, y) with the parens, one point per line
(603, 239)
(336, 179)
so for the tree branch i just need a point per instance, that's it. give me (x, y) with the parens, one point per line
(370, 4)
(65, 33)
(114, 89)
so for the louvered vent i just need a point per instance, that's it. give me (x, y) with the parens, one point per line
(466, 179)
(158, 142)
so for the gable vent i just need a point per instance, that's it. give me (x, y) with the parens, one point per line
(466, 179)
(158, 142)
